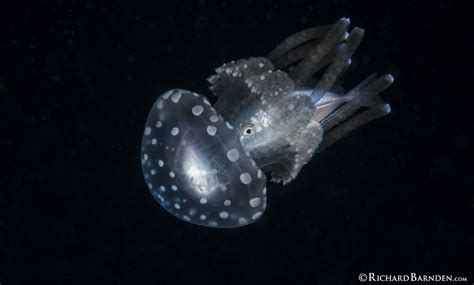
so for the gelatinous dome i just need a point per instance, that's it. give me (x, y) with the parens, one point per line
(195, 166)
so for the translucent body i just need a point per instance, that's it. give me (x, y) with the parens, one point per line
(206, 165)
(195, 166)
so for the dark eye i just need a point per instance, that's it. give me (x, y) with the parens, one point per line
(248, 130)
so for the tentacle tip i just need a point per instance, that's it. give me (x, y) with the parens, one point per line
(345, 20)
(390, 78)
(358, 30)
(387, 109)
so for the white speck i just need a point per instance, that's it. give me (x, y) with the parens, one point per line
(177, 206)
(197, 110)
(167, 94)
(145, 156)
(183, 143)
(260, 65)
(223, 188)
(254, 202)
(259, 173)
(206, 101)
(153, 141)
(223, 215)
(147, 131)
(242, 221)
(213, 224)
(256, 215)
(245, 65)
(149, 186)
(192, 212)
(161, 163)
(172, 174)
(158, 124)
(233, 154)
(174, 131)
(159, 104)
(214, 118)
(162, 188)
(262, 77)
(203, 217)
(152, 172)
(229, 125)
(176, 96)
(291, 106)
(211, 130)
(203, 200)
(227, 203)
(264, 191)
(174, 188)
(245, 178)
(160, 197)
(186, 218)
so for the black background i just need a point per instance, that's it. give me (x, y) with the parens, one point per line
(77, 79)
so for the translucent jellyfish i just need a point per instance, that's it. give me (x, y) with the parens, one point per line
(207, 165)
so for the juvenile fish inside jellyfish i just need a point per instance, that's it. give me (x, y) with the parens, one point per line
(207, 165)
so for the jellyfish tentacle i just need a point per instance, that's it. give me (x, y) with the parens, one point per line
(296, 40)
(352, 124)
(294, 55)
(360, 96)
(340, 62)
(305, 68)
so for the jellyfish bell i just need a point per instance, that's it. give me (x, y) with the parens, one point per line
(195, 166)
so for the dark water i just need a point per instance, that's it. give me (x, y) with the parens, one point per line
(77, 80)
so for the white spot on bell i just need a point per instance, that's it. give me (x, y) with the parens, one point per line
(233, 154)
(203, 200)
(197, 110)
(223, 215)
(174, 131)
(245, 178)
(147, 131)
(176, 96)
(211, 130)
(256, 215)
(214, 118)
(254, 202)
